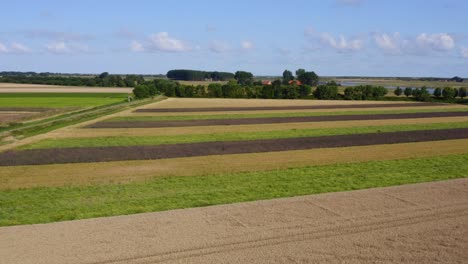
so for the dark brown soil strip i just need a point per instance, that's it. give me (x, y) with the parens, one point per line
(267, 120)
(25, 109)
(299, 107)
(99, 154)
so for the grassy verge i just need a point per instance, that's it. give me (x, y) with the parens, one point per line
(42, 205)
(262, 115)
(45, 125)
(294, 133)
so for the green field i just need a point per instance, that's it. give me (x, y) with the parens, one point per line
(264, 115)
(42, 205)
(192, 138)
(60, 100)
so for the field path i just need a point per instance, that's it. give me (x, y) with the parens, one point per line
(421, 223)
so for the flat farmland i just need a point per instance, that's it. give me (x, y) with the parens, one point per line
(226, 151)
(26, 111)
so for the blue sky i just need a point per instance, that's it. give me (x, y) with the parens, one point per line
(334, 37)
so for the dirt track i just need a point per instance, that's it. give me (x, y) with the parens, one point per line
(420, 223)
(297, 107)
(267, 120)
(100, 154)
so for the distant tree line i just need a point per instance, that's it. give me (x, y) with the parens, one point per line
(191, 75)
(422, 94)
(103, 80)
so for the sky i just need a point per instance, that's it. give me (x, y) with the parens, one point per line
(331, 37)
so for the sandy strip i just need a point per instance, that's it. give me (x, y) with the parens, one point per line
(297, 107)
(418, 223)
(14, 177)
(105, 132)
(225, 102)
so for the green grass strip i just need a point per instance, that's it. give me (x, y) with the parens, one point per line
(260, 115)
(59, 100)
(293, 133)
(42, 205)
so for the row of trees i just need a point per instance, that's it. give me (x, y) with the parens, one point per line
(191, 75)
(277, 90)
(422, 94)
(232, 89)
(303, 76)
(103, 80)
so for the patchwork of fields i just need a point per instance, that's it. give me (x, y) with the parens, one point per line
(181, 153)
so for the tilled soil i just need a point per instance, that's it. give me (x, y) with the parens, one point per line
(267, 120)
(25, 109)
(100, 154)
(298, 107)
(417, 223)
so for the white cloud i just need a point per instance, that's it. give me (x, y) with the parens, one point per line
(421, 44)
(19, 48)
(439, 42)
(464, 52)
(136, 46)
(14, 47)
(247, 45)
(219, 46)
(163, 42)
(160, 41)
(341, 44)
(62, 47)
(388, 43)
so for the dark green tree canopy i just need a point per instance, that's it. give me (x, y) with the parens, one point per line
(243, 77)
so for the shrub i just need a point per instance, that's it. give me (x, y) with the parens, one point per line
(448, 93)
(325, 92)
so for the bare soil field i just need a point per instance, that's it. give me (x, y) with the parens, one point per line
(76, 174)
(7, 117)
(100, 154)
(38, 88)
(418, 223)
(268, 120)
(298, 107)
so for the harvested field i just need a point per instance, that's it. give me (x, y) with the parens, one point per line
(103, 132)
(423, 222)
(224, 102)
(117, 172)
(99, 154)
(298, 107)
(268, 120)
(6, 117)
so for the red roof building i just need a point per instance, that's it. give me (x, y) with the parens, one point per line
(296, 82)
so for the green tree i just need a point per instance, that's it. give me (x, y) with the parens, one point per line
(243, 77)
(398, 91)
(103, 75)
(287, 76)
(408, 91)
(141, 91)
(326, 92)
(448, 93)
(437, 92)
(300, 72)
(309, 78)
(462, 92)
